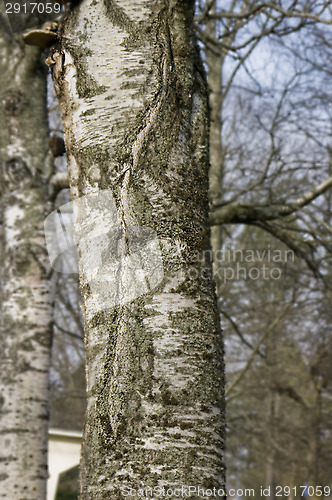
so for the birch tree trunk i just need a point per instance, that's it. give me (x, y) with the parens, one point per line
(133, 95)
(25, 324)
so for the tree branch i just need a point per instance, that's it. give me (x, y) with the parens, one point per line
(240, 334)
(239, 212)
(67, 332)
(267, 332)
(261, 8)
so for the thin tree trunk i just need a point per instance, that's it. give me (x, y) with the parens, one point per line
(134, 101)
(26, 312)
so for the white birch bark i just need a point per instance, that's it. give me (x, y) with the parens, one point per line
(25, 323)
(134, 102)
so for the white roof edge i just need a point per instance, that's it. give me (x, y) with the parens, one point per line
(64, 433)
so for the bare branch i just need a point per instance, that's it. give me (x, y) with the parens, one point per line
(267, 332)
(239, 333)
(238, 212)
(67, 332)
(308, 197)
(261, 8)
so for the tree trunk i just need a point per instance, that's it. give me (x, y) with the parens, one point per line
(134, 102)
(25, 327)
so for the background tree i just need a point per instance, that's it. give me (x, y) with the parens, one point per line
(26, 301)
(268, 67)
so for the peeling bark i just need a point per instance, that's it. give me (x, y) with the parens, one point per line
(134, 103)
(26, 309)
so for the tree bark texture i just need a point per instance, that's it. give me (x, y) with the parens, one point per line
(26, 309)
(134, 103)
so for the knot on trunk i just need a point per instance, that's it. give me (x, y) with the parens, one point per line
(16, 170)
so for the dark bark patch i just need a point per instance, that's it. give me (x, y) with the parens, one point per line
(43, 338)
(12, 103)
(26, 345)
(16, 170)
